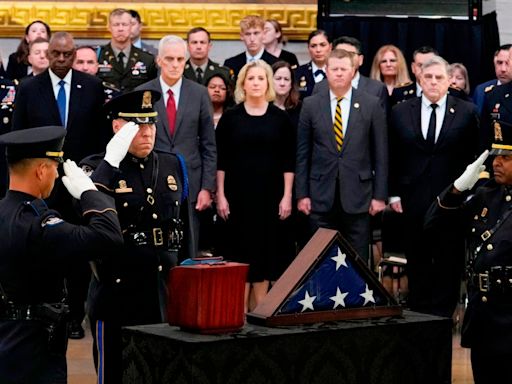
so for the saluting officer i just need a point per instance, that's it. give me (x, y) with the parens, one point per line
(120, 62)
(37, 245)
(150, 189)
(486, 219)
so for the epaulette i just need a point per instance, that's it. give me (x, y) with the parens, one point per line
(406, 84)
(489, 88)
(110, 86)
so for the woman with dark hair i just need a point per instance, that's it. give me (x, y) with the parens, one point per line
(287, 94)
(274, 41)
(221, 94)
(18, 65)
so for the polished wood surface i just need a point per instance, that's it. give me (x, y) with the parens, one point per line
(81, 367)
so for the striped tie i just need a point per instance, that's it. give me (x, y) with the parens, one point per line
(338, 125)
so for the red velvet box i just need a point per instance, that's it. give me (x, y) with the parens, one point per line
(207, 298)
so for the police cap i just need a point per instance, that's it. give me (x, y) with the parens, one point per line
(41, 142)
(502, 140)
(136, 106)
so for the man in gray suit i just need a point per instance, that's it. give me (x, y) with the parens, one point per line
(342, 156)
(185, 124)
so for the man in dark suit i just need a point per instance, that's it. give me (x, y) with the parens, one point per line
(342, 156)
(120, 63)
(503, 76)
(432, 139)
(199, 67)
(37, 104)
(251, 33)
(359, 82)
(185, 124)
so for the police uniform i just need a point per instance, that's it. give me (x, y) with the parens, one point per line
(487, 221)
(7, 95)
(110, 91)
(140, 68)
(305, 80)
(497, 107)
(35, 248)
(128, 288)
(212, 68)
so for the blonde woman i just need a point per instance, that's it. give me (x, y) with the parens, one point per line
(389, 66)
(256, 161)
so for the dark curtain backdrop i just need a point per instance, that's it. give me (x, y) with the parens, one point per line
(472, 43)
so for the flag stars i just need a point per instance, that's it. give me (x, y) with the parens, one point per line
(340, 259)
(367, 295)
(307, 302)
(339, 299)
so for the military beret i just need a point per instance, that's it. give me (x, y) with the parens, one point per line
(136, 106)
(41, 142)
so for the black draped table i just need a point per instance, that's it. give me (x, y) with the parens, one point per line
(416, 348)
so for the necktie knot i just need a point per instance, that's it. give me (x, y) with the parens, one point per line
(319, 72)
(434, 106)
(199, 75)
(338, 99)
(170, 93)
(120, 58)
(61, 83)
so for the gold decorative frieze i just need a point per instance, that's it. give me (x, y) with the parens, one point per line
(89, 19)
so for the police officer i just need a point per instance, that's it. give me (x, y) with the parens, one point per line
(486, 219)
(497, 107)
(35, 248)
(149, 189)
(120, 62)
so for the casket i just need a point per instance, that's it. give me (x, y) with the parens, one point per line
(207, 298)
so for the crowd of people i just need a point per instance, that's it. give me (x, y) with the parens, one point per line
(180, 156)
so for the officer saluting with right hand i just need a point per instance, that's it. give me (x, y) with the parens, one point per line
(486, 219)
(36, 247)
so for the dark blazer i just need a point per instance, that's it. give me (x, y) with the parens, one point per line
(290, 58)
(480, 91)
(194, 137)
(362, 166)
(15, 70)
(237, 62)
(370, 86)
(305, 80)
(418, 173)
(87, 129)
(140, 68)
(211, 69)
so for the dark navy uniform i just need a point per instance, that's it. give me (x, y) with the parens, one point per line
(34, 251)
(140, 68)
(497, 108)
(305, 80)
(7, 95)
(110, 91)
(212, 68)
(403, 92)
(129, 287)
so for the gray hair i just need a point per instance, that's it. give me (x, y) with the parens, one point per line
(436, 60)
(170, 39)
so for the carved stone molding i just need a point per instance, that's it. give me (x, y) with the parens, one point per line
(89, 19)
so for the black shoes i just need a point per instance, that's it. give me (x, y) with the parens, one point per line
(75, 330)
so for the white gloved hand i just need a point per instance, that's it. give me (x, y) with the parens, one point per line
(470, 176)
(75, 180)
(118, 146)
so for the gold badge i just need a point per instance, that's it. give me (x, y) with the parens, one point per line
(171, 183)
(484, 212)
(123, 188)
(146, 100)
(498, 136)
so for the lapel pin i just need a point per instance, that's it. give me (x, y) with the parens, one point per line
(356, 105)
(452, 110)
(79, 86)
(506, 96)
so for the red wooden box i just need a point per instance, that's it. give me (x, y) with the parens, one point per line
(207, 298)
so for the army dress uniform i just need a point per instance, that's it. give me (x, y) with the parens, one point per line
(36, 246)
(129, 287)
(140, 68)
(212, 68)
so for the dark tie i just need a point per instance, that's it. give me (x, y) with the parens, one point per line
(431, 133)
(338, 125)
(61, 102)
(199, 75)
(120, 59)
(319, 72)
(171, 112)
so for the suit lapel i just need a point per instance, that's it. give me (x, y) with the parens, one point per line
(48, 96)
(161, 109)
(75, 95)
(416, 122)
(451, 108)
(181, 107)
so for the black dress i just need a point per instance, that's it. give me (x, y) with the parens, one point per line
(255, 152)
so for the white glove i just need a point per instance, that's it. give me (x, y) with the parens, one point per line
(75, 180)
(470, 176)
(118, 146)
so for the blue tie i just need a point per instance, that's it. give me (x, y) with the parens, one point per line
(61, 102)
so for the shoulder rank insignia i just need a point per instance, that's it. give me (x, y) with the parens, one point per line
(489, 88)
(407, 83)
(123, 188)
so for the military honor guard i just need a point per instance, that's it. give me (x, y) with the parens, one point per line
(486, 221)
(36, 247)
(150, 188)
(120, 62)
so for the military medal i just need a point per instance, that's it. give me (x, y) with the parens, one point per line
(498, 136)
(135, 72)
(123, 188)
(171, 183)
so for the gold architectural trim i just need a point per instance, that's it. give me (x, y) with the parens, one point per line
(89, 19)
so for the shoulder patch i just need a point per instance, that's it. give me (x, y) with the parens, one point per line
(51, 221)
(489, 88)
(407, 83)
